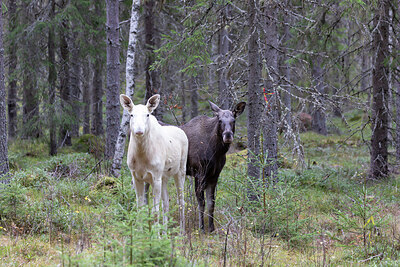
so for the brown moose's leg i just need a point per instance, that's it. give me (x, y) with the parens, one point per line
(210, 191)
(201, 201)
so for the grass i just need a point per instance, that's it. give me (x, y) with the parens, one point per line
(66, 211)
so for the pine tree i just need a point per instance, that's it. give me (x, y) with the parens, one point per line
(4, 168)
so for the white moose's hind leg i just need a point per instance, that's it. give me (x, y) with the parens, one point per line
(165, 199)
(180, 183)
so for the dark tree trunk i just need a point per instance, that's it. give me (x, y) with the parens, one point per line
(318, 114)
(255, 105)
(97, 90)
(30, 111)
(286, 73)
(65, 129)
(225, 96)
(365, 79)
(52, 84)
(269, 125)
(12, 67)
(75, 84)
(97, 97)
(194, 98)
(379, 140)
(86, 91)
(113, 71)
(4, 168)
(397, 88)
(183, 97)
(152, 42)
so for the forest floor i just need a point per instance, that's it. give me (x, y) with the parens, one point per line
(65, 210)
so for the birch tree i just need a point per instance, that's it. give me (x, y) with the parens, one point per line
(129, 90)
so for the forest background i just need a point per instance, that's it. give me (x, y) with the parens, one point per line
(318, 146)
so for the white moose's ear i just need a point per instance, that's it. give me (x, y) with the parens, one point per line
(153, 102)
(126, 102)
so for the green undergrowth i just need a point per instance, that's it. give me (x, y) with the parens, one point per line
(66, 210)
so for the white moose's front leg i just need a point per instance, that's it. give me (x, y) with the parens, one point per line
(157, 183)
(139, 189)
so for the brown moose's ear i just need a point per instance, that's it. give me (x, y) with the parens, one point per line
(214, 107)
(239, 108)
(126, 102)
(153, 102)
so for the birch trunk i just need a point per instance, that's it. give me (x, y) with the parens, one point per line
(130, 87)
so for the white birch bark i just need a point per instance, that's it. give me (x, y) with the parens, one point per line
(130, 86)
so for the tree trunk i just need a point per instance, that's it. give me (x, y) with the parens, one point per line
(318, 114)
(52, 84)
(86, 91)
(194, 98)
(4, 168)
(255, 106)
(152, 42)
(75, 83)
(112, 106)
(97, 96)
(379, 140)
(269, 124)
(130, 88)
(365, 79)
(396, 85)
(12, 71)
(183, 97)
(285, 72)
(65, 129)
(30, 112)
(225, 96)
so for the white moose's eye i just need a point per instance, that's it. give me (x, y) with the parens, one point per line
(131, 115)
(148, 115)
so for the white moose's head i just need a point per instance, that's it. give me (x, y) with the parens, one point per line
(140, 114)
